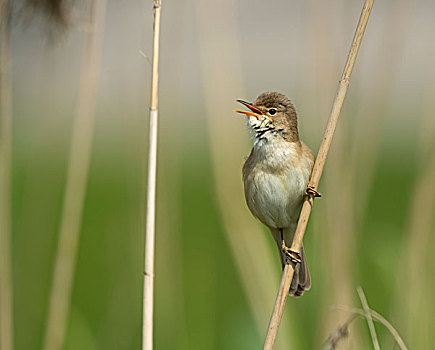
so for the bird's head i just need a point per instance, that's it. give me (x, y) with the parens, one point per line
(272, 113)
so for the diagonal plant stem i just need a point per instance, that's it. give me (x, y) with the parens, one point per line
(369, 318)
(6, 289)
(148, 290)
(315, 176)
(81, 145)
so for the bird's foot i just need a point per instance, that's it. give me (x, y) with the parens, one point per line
(291, 255)
(311, 191)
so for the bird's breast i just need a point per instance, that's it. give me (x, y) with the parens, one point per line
(275, 179)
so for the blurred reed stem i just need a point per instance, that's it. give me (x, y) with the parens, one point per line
(148, 290)
(410, 309)
(6, 289)
(338, 334)
(337, 229)
(334, 219)
(248, 243)
(76, 182)
(375, 105)
(315, 177)
(353, 165)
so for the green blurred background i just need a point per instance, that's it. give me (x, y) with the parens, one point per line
(217, 269)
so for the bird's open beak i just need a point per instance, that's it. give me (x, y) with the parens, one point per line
(255, 112)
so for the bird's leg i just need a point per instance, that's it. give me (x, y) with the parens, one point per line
(291, 255)
(311, 191)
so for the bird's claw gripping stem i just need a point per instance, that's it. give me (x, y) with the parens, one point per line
(311, 191)
(291, 255)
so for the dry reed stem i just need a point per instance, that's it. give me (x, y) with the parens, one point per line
(6, 290)
(315, 176)
(148, 290)
(81, 144)
(378, 318)
(369, 318)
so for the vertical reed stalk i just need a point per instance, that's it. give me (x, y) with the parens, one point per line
(6, 296)
(81, 144)
(148, 290)
(315, 176)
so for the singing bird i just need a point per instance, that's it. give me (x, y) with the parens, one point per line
(276, 175)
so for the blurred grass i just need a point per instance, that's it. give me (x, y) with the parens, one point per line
(205, 306)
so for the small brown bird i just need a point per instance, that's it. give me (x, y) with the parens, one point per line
(276, 176)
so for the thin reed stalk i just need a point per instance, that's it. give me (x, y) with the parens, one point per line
(316, 175)
(6, 290)
(81, 145)
(369, 318)
(148, 290)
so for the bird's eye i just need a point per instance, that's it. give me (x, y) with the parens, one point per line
(272, 111)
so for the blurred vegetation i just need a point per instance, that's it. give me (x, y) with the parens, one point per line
(200, 302)
(364, 231)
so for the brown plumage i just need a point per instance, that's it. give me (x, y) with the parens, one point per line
(276, 174)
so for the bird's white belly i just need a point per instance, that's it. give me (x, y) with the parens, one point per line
(276, 199)
(276, 178)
